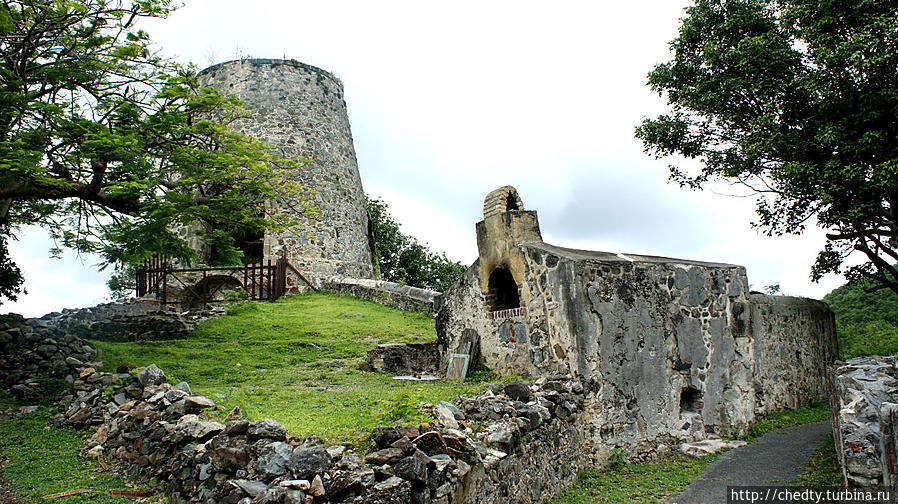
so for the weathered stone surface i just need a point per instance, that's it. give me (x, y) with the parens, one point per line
(407, 358)
(252, 488)
(268, 429)
(151, 376)
(445, 416)
(299, 109)
(667, 347)
(519, 391)
(707, 446)
(274, 459)
(308, 462)
(864, 391)
(414, 467)
(193, 431)
(384, 456)
(197, 403)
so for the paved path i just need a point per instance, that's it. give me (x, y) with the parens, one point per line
(777, 458)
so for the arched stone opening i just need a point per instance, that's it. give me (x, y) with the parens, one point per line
(511, 202)
(503, 290)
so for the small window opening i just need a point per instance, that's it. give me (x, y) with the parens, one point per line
(511, 203)
(252, 244)
(503, 291)
(690, 400)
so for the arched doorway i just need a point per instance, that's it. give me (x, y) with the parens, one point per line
(503, 290)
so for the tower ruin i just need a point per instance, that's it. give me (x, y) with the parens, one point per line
(299, 110)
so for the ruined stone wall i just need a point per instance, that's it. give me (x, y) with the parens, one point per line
(679, 350)
(793, 342)
(864, 402)
(299, 110)
(404, 297)
(514, 442)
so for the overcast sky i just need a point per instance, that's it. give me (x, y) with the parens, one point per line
(448, 101)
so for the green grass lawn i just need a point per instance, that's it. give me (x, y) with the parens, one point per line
(296, 361)
(43, 460)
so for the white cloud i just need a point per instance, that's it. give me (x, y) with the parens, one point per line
(450, 101)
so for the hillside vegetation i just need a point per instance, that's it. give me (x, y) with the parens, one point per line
(866, 322)
(296, 361)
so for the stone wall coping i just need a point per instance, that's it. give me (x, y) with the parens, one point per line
(592, 255)
(275, 61)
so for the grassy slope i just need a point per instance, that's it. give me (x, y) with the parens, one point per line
(652, 482)
(296, 361)
(43, 460)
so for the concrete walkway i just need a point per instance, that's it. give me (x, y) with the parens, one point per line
(777, 458)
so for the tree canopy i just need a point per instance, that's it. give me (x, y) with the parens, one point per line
(109, 146)
(798, 101)
(400, 258)
(866, 322)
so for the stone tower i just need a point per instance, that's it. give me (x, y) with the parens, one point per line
(299, 110)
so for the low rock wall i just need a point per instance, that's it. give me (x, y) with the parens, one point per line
(512, 443)
(386, 293)
(32, 350)
(864, 399)
(137, 319)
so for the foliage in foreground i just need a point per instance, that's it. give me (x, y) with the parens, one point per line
(296, 361)
(400, 258)
(866, 322)
(794, 100)
(108, 146)
(43, 460)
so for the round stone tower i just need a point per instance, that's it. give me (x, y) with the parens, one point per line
(299, 110)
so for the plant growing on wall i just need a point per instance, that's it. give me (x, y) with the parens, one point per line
(400, 258)
(795, 100)
(108, 146)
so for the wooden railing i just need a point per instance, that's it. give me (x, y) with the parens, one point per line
(200, 286)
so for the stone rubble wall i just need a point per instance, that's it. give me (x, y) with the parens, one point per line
(512, 443)
(32, 350)
(865, 405)
(678, 350)
(404, 297)
(133, 320)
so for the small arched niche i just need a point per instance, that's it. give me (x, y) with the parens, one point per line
(503, 290)
(512, 203)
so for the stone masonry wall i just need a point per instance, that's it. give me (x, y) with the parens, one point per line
(678, 350)
(404, 297)
(299, 109)
(793, 344)
(512, 443)
(865, 410)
